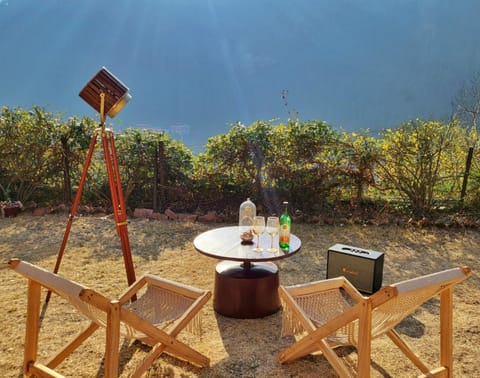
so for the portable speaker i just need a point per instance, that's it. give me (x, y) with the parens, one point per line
(362, 267)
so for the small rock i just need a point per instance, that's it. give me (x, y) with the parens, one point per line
(158, 216)
(187, 217)
(40, 211)
(211, 216)
(171, 214)
(142, 213)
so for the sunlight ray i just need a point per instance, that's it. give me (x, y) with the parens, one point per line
(228, 61)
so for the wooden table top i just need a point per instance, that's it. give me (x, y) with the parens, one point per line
(224, 243)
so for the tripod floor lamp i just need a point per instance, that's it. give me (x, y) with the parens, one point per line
(107, 95)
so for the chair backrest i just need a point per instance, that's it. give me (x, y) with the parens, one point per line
(409, 295)
(57, 284)
(67, 289)
(158, 305)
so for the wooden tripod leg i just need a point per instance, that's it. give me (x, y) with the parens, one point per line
(118, 202)
(122, 224)
(74, 208)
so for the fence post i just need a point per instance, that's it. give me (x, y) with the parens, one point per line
(159, 177)
(155, 180)
(468, 165)
(161, 174)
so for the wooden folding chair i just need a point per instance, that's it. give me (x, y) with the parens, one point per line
(333, 313)
(155, 318)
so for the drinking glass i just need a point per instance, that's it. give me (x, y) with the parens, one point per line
(258, 229)
(273, 226)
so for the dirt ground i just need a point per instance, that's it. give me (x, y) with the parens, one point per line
(236, 347)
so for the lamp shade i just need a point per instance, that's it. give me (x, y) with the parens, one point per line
(116, 93)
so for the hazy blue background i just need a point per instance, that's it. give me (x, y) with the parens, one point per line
(195, 66)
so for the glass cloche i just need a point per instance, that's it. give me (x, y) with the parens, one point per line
(247, 212)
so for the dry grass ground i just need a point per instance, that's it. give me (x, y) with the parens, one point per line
(237, 348)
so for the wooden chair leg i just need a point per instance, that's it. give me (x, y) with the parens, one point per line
(334, 360)
(173, 345)
(74, 344)
(40, 370)
(33, 326)
(446, 330)
(365, 340)
(407, 350)
(112, 340)
(158, 349)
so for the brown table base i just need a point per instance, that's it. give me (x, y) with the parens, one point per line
(246, 291)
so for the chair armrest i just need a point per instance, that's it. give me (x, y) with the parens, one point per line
(324, 285)
(150, 279)
(315, 286)
(132, 290)
(186, 290)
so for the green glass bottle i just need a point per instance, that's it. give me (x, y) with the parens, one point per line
(285, 226)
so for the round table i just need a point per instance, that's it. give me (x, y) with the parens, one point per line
(246, 281)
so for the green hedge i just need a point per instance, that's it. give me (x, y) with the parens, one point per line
(420, 163)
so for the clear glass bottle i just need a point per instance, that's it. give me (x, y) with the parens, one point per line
(285, 227)
(247, 212)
